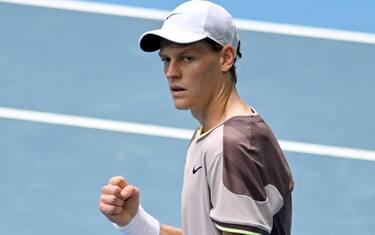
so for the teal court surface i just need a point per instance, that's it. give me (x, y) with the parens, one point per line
(80, 102)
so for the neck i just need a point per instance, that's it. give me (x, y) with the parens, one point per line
(225, 104)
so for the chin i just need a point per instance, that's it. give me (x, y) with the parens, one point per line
(181, 106)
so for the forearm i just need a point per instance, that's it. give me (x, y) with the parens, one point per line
(169, 230)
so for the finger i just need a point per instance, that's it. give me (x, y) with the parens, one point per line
(110, 209)
(112, 190)
(111, 200)
(119, 181)
(129, 191)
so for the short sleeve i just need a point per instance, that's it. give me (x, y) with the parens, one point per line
(242, 199)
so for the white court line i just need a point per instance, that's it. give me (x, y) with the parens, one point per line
(160, 131)
(94, 123)
(153, 14)
(146, 13)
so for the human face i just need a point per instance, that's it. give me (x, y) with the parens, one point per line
(193, 72)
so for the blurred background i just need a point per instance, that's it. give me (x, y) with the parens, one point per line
(80, 102)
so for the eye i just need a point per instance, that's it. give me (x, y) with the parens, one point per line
(164, 60)
(188, 59)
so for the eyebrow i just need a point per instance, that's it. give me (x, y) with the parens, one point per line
(184, 50)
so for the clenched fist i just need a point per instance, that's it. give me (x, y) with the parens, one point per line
(119, 201)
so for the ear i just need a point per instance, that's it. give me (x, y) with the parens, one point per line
(227, 58)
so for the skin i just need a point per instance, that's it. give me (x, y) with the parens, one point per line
(209, 92)
(199, 80)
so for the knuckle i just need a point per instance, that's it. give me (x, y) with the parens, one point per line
(104, 189)
(134, 190)
(112, 200)
(118, 180)
(114, 178)
(111, 190)
(115, 190)
(130, 191)
(103, 208)
(108, 209)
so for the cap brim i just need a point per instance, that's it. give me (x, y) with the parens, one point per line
(150, 41)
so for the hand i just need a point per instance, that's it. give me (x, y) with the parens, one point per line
(119, 201)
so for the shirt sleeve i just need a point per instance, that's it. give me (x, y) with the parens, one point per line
(242, 201)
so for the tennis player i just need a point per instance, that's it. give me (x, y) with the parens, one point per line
(236, 178)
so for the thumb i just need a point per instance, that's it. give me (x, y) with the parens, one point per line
(130, 195)
(129, 192)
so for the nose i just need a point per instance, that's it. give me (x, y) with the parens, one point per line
(172, 70)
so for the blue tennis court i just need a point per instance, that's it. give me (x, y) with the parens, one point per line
(67, 62)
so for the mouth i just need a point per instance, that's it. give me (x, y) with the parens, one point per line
(177, 89)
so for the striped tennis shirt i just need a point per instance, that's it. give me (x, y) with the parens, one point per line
(236, 179)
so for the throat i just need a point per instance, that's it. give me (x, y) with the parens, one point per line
(221, 109)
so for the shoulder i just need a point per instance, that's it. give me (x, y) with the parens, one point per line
(251, 151)
(243, 135)
(250, 136)
(252, 128)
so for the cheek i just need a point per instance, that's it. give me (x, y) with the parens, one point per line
(207, 68)
(208, 76)
(202, 86)
(202, 77)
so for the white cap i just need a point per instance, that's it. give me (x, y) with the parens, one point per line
(193, 21)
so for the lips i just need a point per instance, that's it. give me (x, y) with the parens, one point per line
(175, 88)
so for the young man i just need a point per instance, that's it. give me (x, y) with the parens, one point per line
(236, 179)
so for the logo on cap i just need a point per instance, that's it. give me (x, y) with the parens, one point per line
(172, 15)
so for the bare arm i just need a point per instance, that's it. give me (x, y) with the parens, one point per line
(169, 230)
